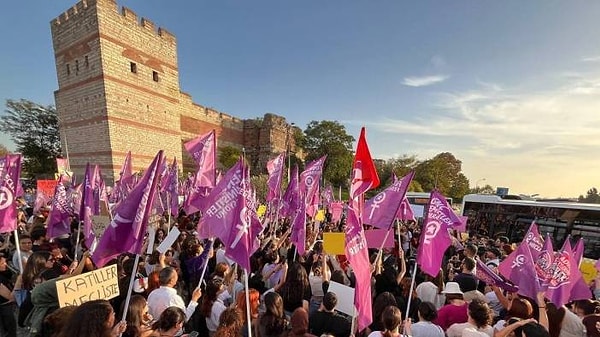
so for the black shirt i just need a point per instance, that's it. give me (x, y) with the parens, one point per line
(329, 322)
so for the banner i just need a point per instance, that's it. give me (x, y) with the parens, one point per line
(99, 284)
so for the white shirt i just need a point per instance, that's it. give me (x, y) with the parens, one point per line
(212, 322)
(164, 297)
(427, 291)
(469, 330)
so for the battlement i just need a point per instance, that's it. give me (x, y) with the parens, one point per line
(146, 24)
(72, 12)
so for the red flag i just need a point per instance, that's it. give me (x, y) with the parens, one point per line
(364, 173)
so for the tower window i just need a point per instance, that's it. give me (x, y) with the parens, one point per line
(155, 76)
(133, 67)
(86, 62)
(76, 66)
(68, 69)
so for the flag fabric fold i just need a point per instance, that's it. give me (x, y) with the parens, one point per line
(364, 173)
(382, 208)
(10, 173)
(128, 227)
(275, 170)
(298, 234)
(565, 274)
(59, 218)
(435, 239)
(310, 178)
(519, 268)
(291, 197)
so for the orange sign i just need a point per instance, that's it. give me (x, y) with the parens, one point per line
(47, 187)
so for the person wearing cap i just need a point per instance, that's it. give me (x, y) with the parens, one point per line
(328, 320)
(456, 309)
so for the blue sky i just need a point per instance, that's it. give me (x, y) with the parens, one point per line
(511, 88)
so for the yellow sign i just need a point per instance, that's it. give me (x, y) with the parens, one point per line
(262, 209)
(320, 215)
(334, 243)
(588, 271)
(100, 284)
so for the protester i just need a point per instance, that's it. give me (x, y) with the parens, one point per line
(456, 309)
(424, 327)
(138, 318)
(328, 320)
(392, 319)
(93, 319)
(170, 323)
(8, 323)
(166, 296)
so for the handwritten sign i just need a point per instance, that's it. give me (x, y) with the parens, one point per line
(100, 284)
(47, 187)
(334, 243)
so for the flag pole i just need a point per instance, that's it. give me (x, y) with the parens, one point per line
(212, 240)
(168, 213)
(248, 317)
(18, 246)
(412, 287)
(77, 239)
(130, 288)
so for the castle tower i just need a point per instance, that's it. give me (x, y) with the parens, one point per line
(118, 86)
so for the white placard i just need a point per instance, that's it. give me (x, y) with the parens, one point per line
(345, 297)
(151, 238)
(169, 240)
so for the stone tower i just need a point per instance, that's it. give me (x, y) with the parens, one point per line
(118, 91)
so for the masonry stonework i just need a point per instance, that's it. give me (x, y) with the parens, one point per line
(118, 91)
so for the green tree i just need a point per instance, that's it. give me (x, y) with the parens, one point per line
(487, 189)
(34, 129)
(444, 173)
(399, 166)
(228, 156)
(260, 186)
(592, 196)
(329, 138)
(3, 150)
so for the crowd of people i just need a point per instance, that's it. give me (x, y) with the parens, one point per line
(287, 295)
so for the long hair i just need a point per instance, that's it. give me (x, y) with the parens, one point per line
(296, 284)
(480, 313)
(392, 318)
(382, 301)
(212, 291)
(274, 317)
(169, 319)
(35, 265)
(230, 323)
(555, 318)
(135, 315)
(241, 303)
(90, 319)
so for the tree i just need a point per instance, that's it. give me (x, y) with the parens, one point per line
(3, 150)
(228, 156)
(444, 173)
(329, 138)
(34, 129)
(487, 189)
(399, 166)
(592, 196)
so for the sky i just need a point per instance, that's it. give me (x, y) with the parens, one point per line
(510, 88)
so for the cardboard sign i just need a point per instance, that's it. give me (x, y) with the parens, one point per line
(100, 284)
(375, 238)
(47, 187)
(334, 243)
(588, 271)
(169, 240)
(345, 297)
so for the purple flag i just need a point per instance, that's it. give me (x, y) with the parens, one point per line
(313, 206)
(203, 150)
(487, 275)
(380, 210)
(336, 209)
(90, 205)
(405, 212)
(10, 173)
(310, 177)
(128, 227)
(291, 197)
(59, 221)
(275, 169)
(543, 263)
(328, 196)
(219, 209)
(534, 240)
(578, 252)
(298, 235)
(245, 226)
(358, 257)
(565, 274)
(519, 268)
(435, 238)
(170, 186)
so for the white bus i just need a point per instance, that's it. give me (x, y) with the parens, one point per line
(421, 198)
(492, 215)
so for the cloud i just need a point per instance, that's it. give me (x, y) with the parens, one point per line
(423, 81)
(591, 59)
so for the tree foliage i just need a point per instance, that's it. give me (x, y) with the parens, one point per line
(329, 138)
(399, 166)
(444, 173)
(228, 156)
(592, 196)
(34, 129)
(3, 150)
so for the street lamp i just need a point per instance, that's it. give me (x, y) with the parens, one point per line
(477, 183)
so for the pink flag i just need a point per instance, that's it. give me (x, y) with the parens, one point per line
(485, 274)
(534, 240)
(90, 204)
(313, 206)
(380, 210)
(298, 235)
(336, 209)
(128, 227)
(275, 169)
(578, 252)
(41, 200)
(564, 276)
(405, 212)
(170, 186)
(328, 196)
(310, 177)
(364, 173)
(219, 211)
(291, 197)
(376, 238)
(59, 221)
(10, 173)
(203, 150)
(358, 257)
(434, 238)
(126, 173)
(543, 263)
(519, 268)
(126, 180)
